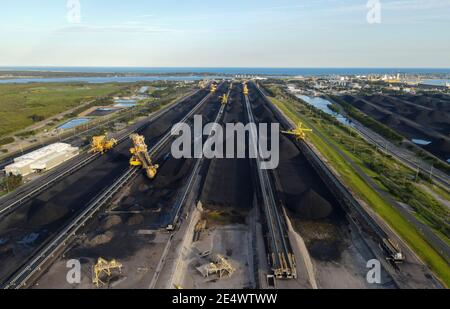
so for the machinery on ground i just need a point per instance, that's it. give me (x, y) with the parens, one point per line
(394, 254)
(299, 132)
(100, 144)
(104, 267)
(213, 88)
(246, 91)
(141, 157)
(220, 266)
(224, 98)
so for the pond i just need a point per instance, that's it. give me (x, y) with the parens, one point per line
(322, 104)
(125, 103)
(74, 123)
(420, 142)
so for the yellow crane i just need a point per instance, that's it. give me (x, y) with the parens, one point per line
(299, 132)
(106, 267)
(224, 98)
(100, 144)
(246, 92)
(141, 157)
(213, 88)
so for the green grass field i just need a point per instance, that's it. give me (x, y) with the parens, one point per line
(371, 197)
(20, 103)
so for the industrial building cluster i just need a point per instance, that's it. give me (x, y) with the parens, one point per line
(42, 160)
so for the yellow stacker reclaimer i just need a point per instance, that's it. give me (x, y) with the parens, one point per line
(100, 144)
(141, 157)
(213, 88)
(246, 92)
(104, 267)
(299, 132)
(224, 98)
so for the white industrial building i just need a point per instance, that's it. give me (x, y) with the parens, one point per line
(43, 159)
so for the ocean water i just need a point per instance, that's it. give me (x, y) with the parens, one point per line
(237, 70)
(438, 82)
(100, 80)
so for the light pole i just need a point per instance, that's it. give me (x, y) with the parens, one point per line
(417, 174)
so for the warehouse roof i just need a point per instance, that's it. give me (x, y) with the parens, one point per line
(43, 152)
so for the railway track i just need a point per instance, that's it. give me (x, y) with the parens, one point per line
(327, 176)
(438, 176)
(377, 228)
(178, 209)
(15, 199)
(281, 258)
(42, 259)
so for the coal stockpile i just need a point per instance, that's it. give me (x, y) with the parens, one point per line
(157, 198)
(435, 101)
(228, 182)
(300, 188)
(316, 214)
(37, 221)
(425, 118)
(146, 204)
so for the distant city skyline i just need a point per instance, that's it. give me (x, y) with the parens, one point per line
(250, 34)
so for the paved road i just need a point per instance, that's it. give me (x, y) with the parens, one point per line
(405, 156)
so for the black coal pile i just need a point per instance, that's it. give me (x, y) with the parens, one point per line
(310, 206)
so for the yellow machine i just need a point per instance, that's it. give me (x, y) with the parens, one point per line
(299, 132)
(103, 266)
(246, 92)
(224, 98)
(141, 157)
(213, 88)
(100, 144)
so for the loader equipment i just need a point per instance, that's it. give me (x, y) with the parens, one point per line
(224, 98)
(299, 132)
(106, 267)
(246, 92)
(141, 157)
(394, 254)
(100, 144)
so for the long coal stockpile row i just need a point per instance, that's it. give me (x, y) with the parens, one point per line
(160, 195)
(424, 118)
(228, 182)
(32, 225)
(146, 204)
(300, 188)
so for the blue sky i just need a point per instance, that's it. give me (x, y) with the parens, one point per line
(229, 33)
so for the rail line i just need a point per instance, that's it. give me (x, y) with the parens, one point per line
(335, 185)
(181, 201)
(352, 205)
(437, 175)
(33, 191)
(40, 260)
(281, 258)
